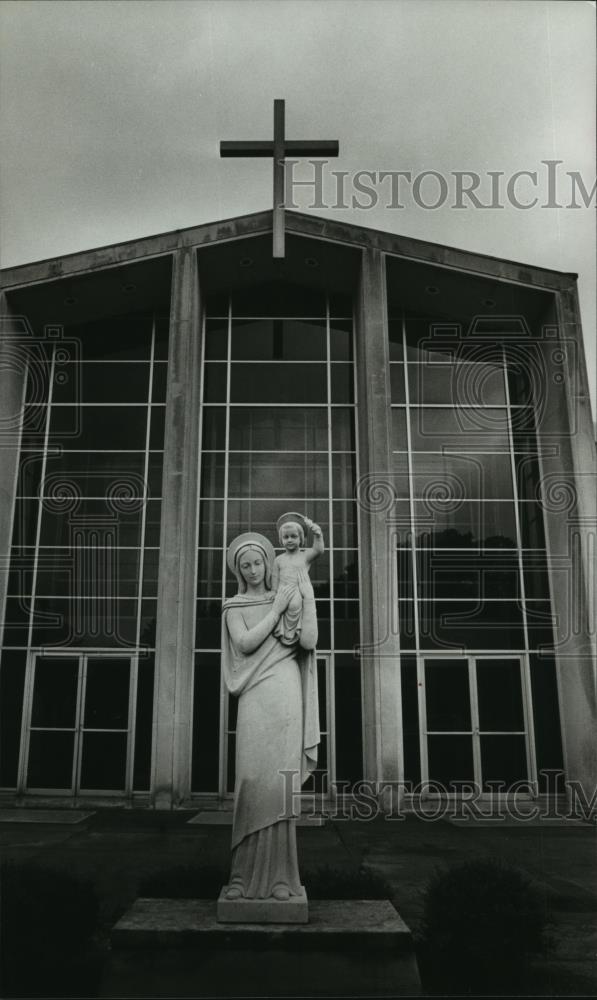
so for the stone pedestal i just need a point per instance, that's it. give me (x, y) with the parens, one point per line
(177, 948)
(263, 911)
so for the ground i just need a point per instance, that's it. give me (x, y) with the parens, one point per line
(118, 848)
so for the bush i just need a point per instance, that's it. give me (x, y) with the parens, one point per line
(48, 918)
(481, 920)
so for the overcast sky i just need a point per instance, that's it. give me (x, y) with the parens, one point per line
(111, 113)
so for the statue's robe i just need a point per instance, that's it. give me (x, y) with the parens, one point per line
(277, 731)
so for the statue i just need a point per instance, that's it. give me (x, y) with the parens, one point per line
(278, 720)
(288, 569)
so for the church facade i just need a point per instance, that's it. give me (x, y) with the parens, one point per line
(426, 406)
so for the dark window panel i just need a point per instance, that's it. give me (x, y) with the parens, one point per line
(24, 528)
(397, 388)
(531, 525)
(340, 304)
(344, 514)
(31, 423)
(503, 759)
(143, 725)
(150, 573)
(405, 574)
(450, 761)
(162, 329)
(206, 723)
(212, 474)
(279, 340)
(406, 621)
(475, 476)
(51, 760)
(100, 622)
(342, 383)
(157, 425)
(399, 435)
(101, 383)
(98, 523)
(119, 338)
(159, 381)
(153, 513)
(410, 720)
(214, 428)
(99, 474)
(276, 428)
(343, 431)
(208, 626)
(88, 572)
(346, 573)
(216, 339)
(349, 741)
(542, 624)
(17, 612)
(457, 385)
(343, 475)
(500, 695)
(216, 304)
(270, 473)
(546, 715)
(447, 695)
(148, 622)
(12, 683)
(209, 573)
(55, 688)
(536, 577)
(346, 624)
(272, 382)
(107, 693)
(395, 340)
(29, 476)
(472, 575)
(154, 473)
(471, 624)
(98, 428)
(103, 761)
(341, 338)
(214, 382)
(211, 522)
(473, 429)
(465, 525)
(278, 298)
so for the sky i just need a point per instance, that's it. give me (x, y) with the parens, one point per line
(111, 113)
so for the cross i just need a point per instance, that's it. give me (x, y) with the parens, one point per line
(279, 149)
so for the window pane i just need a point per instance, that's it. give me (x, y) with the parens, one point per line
(143, 726)
(262, 474)
(102, 383)
(209, 573)
(474, 429)
(119, 338)
(214, 382)
(410, 720)
(397, 383)
(159, 378)
(278, 340)
(346, 574)
(503, 759)
(278, 383)
(12, 683)
(343, 476)
(278, 428)
(50, 760)
(214, 428)
(103, 762)
(98, 427)
(447, 695)
(465, 525)
(546, 717)
(98, 622)
(462, 384)
(278, 298)
(345, 524)
(216, 339)
(208, 627)
(395, 340)
(500, 695)
(211, 522)
(531, 525)
(341, 340)
(475, 476)
(472, 575)
(399, 436)
(342, 383)
(55, 692)
(212, 474)
(343, 436)
(157, 427)
(349, 746)
(471, 624)
(206, 723)
(450, 760)
(107, 693)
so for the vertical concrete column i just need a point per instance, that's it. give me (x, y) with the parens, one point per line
(13, 372)
(570, 504)
(380, 662)
(178, 543)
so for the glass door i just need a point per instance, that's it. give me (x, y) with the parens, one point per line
(475, 728)
(78, 725)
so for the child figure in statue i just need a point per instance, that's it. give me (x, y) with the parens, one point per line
(290, 567)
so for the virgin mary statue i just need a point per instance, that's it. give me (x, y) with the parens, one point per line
(278, 722)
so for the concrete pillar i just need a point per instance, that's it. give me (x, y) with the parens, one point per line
(13, 372)
(380, 661)
(569, 481)
(178, 544)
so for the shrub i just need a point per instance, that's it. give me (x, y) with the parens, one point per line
(481, 920)
(48, 918)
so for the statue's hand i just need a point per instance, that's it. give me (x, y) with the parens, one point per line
(305, 586)
(315, 529)
(282, 599)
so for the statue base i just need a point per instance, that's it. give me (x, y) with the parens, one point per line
(262, 911)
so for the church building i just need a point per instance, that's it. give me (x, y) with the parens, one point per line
(427, 406)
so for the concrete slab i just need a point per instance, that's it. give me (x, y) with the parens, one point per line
(64, 817)
(177, 948)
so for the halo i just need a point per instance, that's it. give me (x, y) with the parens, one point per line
(249, 538)
(292, 515)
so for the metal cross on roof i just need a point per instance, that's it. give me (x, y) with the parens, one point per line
(279, 149)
